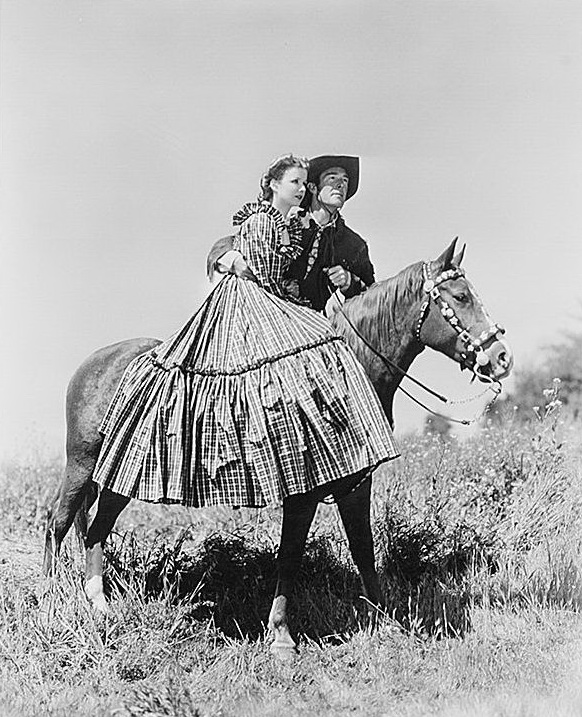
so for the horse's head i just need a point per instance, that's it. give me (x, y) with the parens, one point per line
(452, 320)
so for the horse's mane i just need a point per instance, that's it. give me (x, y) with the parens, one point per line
(385, 298)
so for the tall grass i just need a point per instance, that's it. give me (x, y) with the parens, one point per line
(478, 548)
(495, 518)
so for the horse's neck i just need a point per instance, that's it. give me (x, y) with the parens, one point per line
(385, 316)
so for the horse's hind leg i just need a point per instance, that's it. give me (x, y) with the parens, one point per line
(108, 510)
(74, 489)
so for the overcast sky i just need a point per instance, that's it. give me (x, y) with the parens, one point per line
(132, 131)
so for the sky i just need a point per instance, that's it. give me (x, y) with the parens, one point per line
(131, 131)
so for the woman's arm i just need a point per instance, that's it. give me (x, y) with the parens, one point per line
(223, 259)
(257, 242)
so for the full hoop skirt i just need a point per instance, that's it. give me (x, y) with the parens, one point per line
(253, 400)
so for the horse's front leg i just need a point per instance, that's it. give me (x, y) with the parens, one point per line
(298, 512)
(109, 507)
(354, 510)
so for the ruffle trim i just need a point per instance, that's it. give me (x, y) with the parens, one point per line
(238, 371)
(292, 228)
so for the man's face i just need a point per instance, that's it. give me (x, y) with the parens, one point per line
(333, 187)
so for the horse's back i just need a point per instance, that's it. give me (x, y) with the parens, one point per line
(91, 389)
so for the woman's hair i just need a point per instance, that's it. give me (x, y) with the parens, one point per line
(276, 170)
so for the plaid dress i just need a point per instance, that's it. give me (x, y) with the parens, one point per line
(256, 398)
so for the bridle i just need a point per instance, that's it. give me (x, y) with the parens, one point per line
(473, 346)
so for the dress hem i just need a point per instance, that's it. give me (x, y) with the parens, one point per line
(266, 504)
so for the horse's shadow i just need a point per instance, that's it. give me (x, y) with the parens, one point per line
(233, 583)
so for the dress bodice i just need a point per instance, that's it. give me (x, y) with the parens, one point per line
(267, 243)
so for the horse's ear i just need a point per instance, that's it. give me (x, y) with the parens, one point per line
(220, 247)
(445, 260)
(459, 257)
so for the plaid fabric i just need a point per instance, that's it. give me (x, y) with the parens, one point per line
(254, 399)
(267, 243)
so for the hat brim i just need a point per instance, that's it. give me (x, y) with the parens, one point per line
(318, 165)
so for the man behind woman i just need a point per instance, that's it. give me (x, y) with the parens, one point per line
(335, 258)
(256, 398)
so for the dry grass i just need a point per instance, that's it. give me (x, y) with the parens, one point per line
(479, 551)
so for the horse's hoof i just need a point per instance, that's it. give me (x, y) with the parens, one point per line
(94, 591)
(284, 653)
(100, 606)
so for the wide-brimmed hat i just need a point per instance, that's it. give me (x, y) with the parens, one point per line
(317, 165)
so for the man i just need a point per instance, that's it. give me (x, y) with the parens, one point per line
(334, 256)
(334, 259)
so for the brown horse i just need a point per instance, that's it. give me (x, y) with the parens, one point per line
(427, 304)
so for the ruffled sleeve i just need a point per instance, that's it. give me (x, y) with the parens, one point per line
(267, 243)
(287, 235)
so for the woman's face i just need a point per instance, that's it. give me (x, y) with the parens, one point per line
(290, 189)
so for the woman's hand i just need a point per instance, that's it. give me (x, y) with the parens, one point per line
(233, 262)
(242, 269)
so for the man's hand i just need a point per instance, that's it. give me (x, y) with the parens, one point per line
(341, 278)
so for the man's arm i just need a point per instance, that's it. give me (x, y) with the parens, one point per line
(361, 273)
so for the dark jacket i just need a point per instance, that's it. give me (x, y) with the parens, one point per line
(338, 245)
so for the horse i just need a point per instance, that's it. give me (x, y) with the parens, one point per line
(428, 304)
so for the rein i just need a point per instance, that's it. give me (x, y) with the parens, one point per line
(471, 344)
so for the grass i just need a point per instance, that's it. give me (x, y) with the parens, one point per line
(478, 547)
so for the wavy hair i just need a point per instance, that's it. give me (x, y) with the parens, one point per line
(276, 170)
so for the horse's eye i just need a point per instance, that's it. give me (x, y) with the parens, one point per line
(462, 298)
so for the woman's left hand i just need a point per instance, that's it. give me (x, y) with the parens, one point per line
(242, 269)
(233, 262)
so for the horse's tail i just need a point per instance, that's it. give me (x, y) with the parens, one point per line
(81, 519)
(68, 507)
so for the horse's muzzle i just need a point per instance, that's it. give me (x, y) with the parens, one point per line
(496, 363)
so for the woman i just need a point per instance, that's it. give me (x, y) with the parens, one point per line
(256, 398)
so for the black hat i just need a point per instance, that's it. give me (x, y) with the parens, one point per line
(317, 165)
